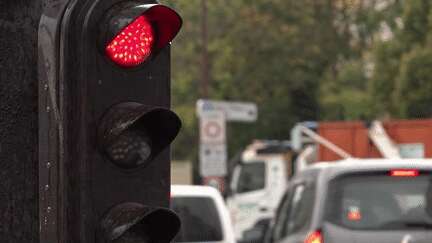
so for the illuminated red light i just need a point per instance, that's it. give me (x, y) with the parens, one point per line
(354, 216)
(314, 237)
(133, 45)
(404, 173)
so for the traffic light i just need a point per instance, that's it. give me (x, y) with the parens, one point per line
(105, 123)
(131, 134)
(134, 222)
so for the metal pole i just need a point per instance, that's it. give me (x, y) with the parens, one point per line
(325, 143)
(205, 78)
(382, 141)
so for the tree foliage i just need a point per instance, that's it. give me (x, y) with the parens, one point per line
(402, 82)
(303, 60)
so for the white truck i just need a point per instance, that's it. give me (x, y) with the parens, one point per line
(258, 183)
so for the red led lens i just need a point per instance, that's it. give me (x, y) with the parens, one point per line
(314, 237)
(133, 45)
(404, 173)
(354, 215)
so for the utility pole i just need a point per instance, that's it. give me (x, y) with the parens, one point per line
(205, 78)
(19, 21)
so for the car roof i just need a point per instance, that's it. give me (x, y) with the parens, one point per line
(360, 164)
(189, 190)
(208, 192)
(353, 165)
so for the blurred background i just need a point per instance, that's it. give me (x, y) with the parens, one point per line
(318, 60)
(301, 60)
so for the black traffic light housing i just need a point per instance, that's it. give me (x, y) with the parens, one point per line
(130, 133)
(134, 222)
(105, 129)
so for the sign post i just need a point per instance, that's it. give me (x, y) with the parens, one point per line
(213, 116)
(213, 156)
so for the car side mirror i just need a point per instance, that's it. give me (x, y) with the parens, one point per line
(257, 234)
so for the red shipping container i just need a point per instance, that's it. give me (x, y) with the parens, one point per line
(352, 136)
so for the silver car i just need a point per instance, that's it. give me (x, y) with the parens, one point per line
(357, 201)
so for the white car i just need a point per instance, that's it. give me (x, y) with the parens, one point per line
(203, 214)
(357, 200)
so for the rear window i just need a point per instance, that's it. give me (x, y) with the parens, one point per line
(199, 217)
(252, 177)
(381, 201)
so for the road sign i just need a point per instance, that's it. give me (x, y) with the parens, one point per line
(234, 111)
(213, 116)
(213, 159)
(212, 127)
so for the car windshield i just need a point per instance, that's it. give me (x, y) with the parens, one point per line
(252, 177)
(199, 217)
(381, 201)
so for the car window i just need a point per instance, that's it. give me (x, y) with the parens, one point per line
(199, 217)
(295, 211)
(380, 201)
(300, 209)
(281, 215)
(252, 177)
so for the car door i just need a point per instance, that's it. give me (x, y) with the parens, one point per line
(294, 222)
(275, 234)
(249, 190)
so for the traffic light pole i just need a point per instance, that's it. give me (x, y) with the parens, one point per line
(205, 68)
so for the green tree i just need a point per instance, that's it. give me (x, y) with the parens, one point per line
(303, 60)
(265, 52)
(400, 83)
(348, 91)
(345, 96)
(413, 93)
